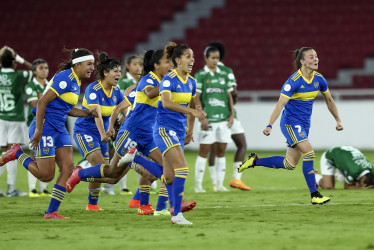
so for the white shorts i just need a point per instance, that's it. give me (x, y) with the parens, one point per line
(218, 132)
(237, 127)
(327, 168)
(12, 133)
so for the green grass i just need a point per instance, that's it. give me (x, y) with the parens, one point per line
(276, 214)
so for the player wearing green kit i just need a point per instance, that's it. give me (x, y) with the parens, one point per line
(12, 114)
(347, 165)
(213, 94)
(33, 91)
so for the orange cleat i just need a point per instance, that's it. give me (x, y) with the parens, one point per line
(145, 210)
(91, 207)
(134, 203)
(10, 155)
(186, 206)
(239, 184)
(54, 215)
(74, 179)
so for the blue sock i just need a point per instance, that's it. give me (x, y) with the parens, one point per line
(308, 171)
(24, 158)
(93, 195)
(153, 167)
(92, 172)
(170, 193)
(178, 188)
(162, 199)
(136, 195)
(271, 162)
(144, 191)
(58, 195)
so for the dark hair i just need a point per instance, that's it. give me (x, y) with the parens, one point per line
(7, 58)
(209, 50)
(369, 179)
(299, 55)
(36, 62)
(74, 53)
(174, 50)
(150, 58)
(106, 64)
(220, 47)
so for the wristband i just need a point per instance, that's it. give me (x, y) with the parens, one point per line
(19, 59)
(269, 126)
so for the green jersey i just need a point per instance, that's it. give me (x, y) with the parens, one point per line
(126, 81)
(350, 161)
(232, 79)
(11, 94)
(32, 91)
(214, 90)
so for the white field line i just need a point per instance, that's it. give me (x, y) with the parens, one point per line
(289, 205)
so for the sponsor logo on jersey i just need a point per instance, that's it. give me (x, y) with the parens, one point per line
(214, 102)
(179, 86)
(215, 90)
(302, 87)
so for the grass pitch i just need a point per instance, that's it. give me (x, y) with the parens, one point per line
(276, 214)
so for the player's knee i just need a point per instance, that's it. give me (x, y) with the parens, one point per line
(310, 156)
(46, 177)
(289, 165)
(169, 180)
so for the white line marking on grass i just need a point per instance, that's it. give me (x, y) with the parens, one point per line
(290, 205)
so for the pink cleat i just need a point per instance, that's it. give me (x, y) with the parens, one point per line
(74, 179)
(10, 155)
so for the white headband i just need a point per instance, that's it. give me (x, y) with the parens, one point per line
(82, 59)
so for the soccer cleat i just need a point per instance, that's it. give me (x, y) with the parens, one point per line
(145, 210)
(125, 191)
(134, 203)
(34, 194)
(10, 155)
(214, 188)
(239, 184)
(127, 158)
(15, 193)
(164, 212)
(222, 189)
(108, 189)
(74, 179)
(45, 193)
(185, 207)
(318, 199)
(179, 219)
(54, 215)
(249, 163)
(199, 190)
(91, 207)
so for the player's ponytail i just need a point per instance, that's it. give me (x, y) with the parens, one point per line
(149, 59)
(299, 55)
(74, 53)
(173, 51)
(105, 64)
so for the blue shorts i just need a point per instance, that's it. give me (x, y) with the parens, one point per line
(50, 140)
(89, 142)
(294, 134)
(167, 138)
(128, 138)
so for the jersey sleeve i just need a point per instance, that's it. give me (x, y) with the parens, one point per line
(31, 92)
(199, 82)
(165, 85)
(25, 75)
(323, 86)
(288, 88)
(60, 85)
(119, 96)
(92, 96)
(232, 79)
(130, 98)
(194, 88)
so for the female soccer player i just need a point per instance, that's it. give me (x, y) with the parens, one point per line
(177, 90)
(213, 95)
(33, 91)
(102, 97)
(297, 97)
(132, 73)
(49, 138)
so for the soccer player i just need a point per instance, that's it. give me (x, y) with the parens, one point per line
(237, 131)
(12, 114)
(101, 97)
(178, 92)
(213, 95)
(33, 91)
(296, 101)
(50, 139)
(347, 165)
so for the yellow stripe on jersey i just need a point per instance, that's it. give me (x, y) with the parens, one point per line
(304, 96)
(50, 87)
(141, 97)
(76, 77)
(181, 98)
(70, 97)
(105, 110)
(296, 76)
(154, 76)
(317, 74)
(172, 74)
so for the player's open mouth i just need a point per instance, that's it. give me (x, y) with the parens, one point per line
(116, 80)
(190, 66)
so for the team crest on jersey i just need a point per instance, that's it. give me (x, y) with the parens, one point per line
(301, 134)
(46, 150)
(91, 144)
(190, 86)
(221, 81)
(114, 99)
(316, 85)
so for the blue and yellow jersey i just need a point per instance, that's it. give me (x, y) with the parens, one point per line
(181, 92)
(145, 109)
(301, 93)
(66, 85)
(130, 99)
(95, 95)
